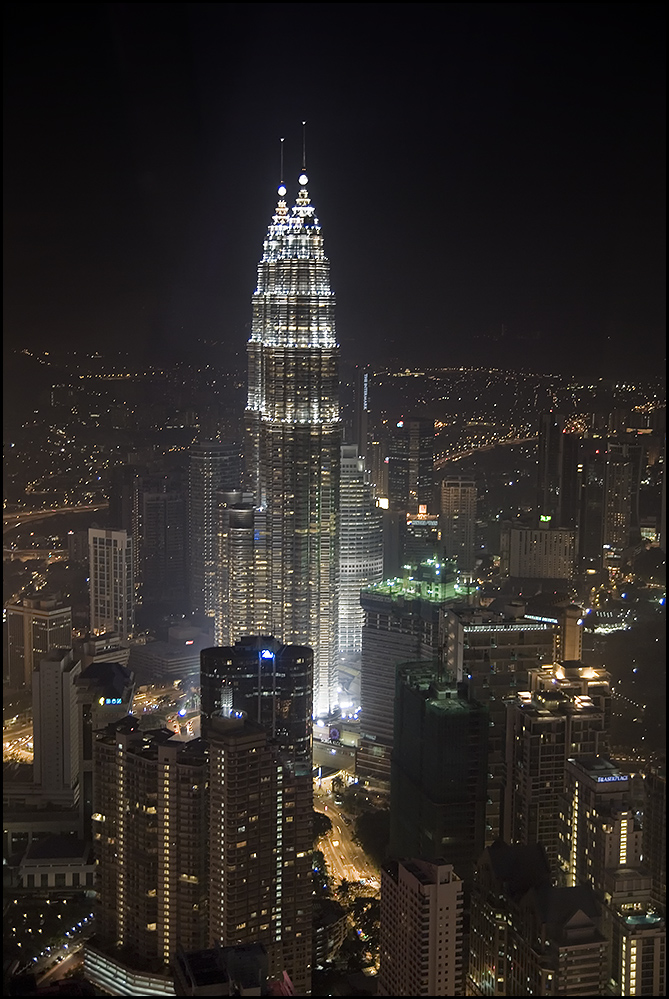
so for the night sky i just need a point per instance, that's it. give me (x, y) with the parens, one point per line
(490, 177)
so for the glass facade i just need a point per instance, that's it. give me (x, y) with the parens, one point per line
(294, 435)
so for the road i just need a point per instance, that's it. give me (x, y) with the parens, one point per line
(33, 554)
(344, 858)
(58, 970)
(442, 459)
(10, 521)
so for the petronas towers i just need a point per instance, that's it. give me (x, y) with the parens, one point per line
(294, 436)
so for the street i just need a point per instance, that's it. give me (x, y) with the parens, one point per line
(344, 858)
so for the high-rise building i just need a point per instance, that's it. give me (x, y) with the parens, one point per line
(550, 467)
(493, 653)
(35, 626)
(259, 848)
(294, 434)
(360, 547)
(111, 584)
(213, 466)
(601, 845)
(150, 822)
(256, 713)
(655, 833)
(401, 624)
(438, 784)
(543, 553)
(243, 600)
(421, 930)
(163, 542)
(566, 712)
(528, 937)
(458, 521)
(363, 377)
(56, 728)
(599, 829)
(411, 464)
(105, 690)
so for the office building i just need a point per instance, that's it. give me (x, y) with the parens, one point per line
(420, 538)
(111, 583)
(213, 466)
(150, 825)
(566, 712)
(421, 948)
(294, 434)
(492, 652)
(243, 599)
(601, 845)
(233, 676)
(599, 831)
(175, 660)
(360, 547)
(655, 833)
(104, 692)
(361, 387)
(401, 624)
(438, 785)
(546, 554)
(162, 542)
(105, 648)
(550, 469)
(609, 514)
(56, 728)
(458, 522)
(35, 626)
(411, 464)
(528, 937)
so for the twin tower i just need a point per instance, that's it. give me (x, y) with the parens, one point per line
(293, 451)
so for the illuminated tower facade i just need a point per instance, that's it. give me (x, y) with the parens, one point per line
(294, 434)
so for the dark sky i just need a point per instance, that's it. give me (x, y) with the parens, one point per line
(476, 167)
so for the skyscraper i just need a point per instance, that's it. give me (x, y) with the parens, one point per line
(411, 464)
(150, 820)
(242, 592)
(35, 626)
(112, 592)
(294, 434)
(55, 726)
(458, 521)
(438, 784)
(213, 466)
(566, 712)
(421, 929)
(256, 714)
(361, 547)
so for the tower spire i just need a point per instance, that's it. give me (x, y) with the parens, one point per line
(282, 187)
(303, 180)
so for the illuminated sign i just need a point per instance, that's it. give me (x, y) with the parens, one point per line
(612, 777)
(545, 518)
(422, 508)
(111, 700)
(266, 654)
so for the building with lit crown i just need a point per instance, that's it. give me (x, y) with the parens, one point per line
(294, 434)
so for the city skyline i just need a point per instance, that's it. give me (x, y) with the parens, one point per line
(501, 167)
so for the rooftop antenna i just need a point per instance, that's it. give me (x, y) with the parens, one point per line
(282, 186)
(303, 180)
